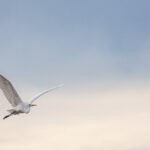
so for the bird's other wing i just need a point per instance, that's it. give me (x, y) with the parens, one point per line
(42, 93)
(10, 92)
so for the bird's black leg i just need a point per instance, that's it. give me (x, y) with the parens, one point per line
(7, 116)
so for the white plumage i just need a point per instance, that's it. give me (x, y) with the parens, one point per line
(19, 106)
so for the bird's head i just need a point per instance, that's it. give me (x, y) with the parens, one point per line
(32, 105)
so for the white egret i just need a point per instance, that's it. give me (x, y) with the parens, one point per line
(19, 106)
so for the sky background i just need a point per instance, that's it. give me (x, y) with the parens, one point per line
(100, 50)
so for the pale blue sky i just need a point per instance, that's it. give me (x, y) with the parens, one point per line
(75, 40)
(100, 50)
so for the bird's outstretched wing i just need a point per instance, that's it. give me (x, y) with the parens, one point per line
(42, 93)
(10, 92)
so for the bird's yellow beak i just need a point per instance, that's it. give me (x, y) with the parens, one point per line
(33, 105)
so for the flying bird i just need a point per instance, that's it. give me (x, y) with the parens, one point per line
(19, 106)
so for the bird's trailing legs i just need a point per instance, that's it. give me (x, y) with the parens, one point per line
(8, 116)
(12, 112)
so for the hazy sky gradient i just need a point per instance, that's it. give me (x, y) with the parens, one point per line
(100, 50)
(75, 40)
